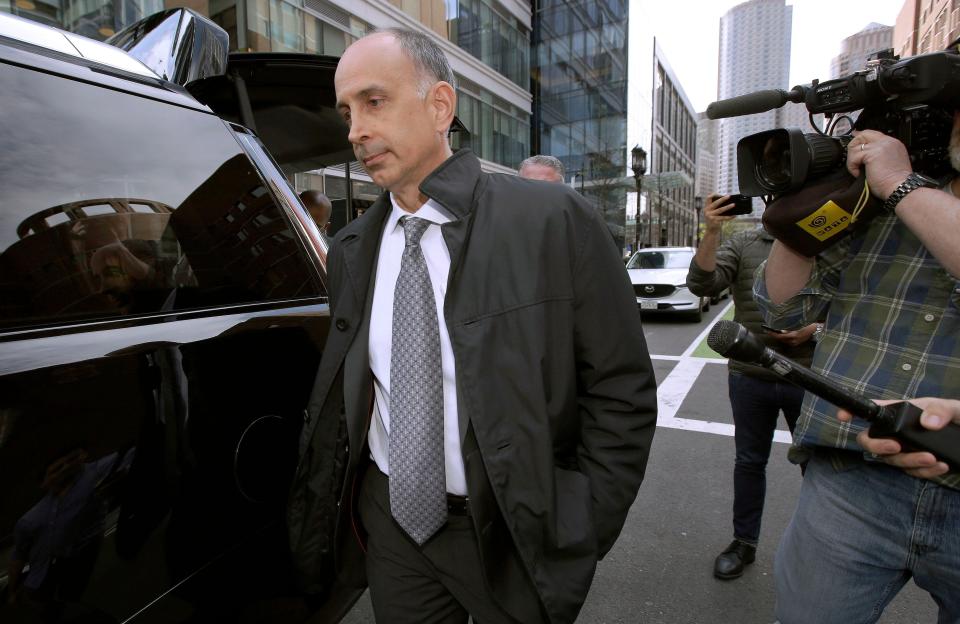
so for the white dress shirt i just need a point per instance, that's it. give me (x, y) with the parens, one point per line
(437, 256)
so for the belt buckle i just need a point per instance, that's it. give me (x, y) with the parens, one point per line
(458, 505)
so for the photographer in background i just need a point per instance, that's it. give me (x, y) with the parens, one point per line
(867, 522)
(757, 396)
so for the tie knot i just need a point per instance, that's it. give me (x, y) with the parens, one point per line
(413, 229)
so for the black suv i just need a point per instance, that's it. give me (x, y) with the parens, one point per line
(162, 315)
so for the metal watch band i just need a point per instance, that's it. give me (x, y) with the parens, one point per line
(912, 183)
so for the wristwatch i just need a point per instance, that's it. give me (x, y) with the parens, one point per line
(912, 183)
(817, 333)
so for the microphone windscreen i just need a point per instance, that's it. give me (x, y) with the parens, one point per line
(723, 336)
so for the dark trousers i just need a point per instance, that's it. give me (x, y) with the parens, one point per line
(440, 582)
(756, 404)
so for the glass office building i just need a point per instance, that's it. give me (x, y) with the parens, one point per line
(579, 85)
(486, 41)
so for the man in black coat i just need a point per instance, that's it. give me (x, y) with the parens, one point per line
(530, 326)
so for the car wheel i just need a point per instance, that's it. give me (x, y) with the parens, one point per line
(697, 315)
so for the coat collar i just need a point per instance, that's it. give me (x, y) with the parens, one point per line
(454, 183)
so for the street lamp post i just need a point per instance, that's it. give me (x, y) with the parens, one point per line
(698, 206)
(638, 163)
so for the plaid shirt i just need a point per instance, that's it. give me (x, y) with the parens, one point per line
(892, 327)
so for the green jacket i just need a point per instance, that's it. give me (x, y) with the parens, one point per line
(737, 260)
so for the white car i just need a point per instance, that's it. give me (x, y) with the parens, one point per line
(659, 276)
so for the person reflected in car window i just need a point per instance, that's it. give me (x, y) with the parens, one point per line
(57, 541)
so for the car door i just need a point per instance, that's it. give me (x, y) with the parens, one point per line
(162, 315)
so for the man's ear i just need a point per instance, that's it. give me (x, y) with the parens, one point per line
(443, 98)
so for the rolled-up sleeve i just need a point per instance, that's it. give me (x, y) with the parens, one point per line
(811, 302)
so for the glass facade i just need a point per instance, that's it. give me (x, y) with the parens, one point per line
(579, 85)
(491, 34)
(96, 19)
(281, 26)
(499, 131)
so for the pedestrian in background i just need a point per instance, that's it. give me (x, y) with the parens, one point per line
(319, 207)
(757, 396)
(546, 168)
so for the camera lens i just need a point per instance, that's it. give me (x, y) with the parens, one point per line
(773, 167)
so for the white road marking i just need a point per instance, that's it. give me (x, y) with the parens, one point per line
(706, 330)
(677, 385)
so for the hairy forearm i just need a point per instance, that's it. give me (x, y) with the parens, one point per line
(934, 217)
(786, 272)
(706, 256)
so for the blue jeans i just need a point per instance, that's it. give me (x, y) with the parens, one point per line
(756, 404)
(857, 536)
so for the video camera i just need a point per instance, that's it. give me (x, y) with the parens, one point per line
(811, 200)
(911, 99)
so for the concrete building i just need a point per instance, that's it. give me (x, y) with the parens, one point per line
(664, 124)
(856, 49)
(579, 87)
(674, 151)
(754, 55)
(926, 26)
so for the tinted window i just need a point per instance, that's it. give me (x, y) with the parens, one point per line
(661, 260)
(113, 204)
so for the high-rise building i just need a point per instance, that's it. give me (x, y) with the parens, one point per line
(579, 85)
(754, 55)
(706, 177)
(672, 159)
(486, 41)
(856, 49)
(926, 26)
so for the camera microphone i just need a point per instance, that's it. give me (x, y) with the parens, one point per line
(898, 420)
(757, 102)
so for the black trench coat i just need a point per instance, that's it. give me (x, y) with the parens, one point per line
(555, 390)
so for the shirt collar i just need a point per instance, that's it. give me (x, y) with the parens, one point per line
(431, 211)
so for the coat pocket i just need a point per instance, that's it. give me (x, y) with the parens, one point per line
(574, 521)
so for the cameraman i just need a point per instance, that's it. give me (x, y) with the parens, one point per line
(867, 522)
(757, 396)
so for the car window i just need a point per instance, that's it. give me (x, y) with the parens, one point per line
(113, 204)
(661, 260)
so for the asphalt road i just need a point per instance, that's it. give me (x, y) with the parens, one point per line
(660, 570)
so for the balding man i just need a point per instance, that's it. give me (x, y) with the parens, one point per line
(546, 168)
(490, 432)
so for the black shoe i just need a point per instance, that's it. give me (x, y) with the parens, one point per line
(730, 563)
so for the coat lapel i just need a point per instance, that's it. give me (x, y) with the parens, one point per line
(360, 251)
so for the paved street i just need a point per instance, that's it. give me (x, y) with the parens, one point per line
(660, 570)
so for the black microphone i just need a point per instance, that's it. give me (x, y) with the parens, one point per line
(757, 102)
(898, 420)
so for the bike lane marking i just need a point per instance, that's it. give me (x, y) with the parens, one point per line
(678, 383)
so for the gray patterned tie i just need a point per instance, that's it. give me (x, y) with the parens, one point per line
(418, 485)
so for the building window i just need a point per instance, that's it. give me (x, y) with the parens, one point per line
(489, 33)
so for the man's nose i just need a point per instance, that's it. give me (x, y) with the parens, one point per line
(358, 131)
